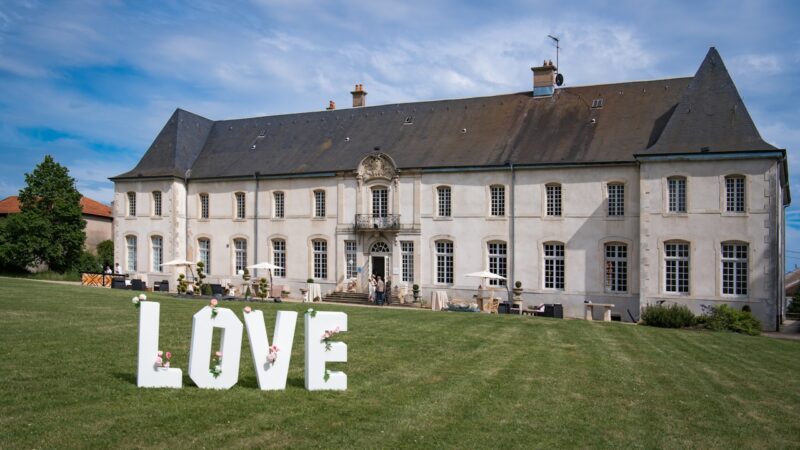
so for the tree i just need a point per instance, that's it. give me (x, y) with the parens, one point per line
(49, 228)
(105, 253)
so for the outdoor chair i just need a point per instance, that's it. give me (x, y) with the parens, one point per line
(118, 283)
(163, 286)
(217, 290)
(138, 285)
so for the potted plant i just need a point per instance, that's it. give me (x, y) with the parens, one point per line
(183, 284)
(517, 293)
(285, 292)
(415, 291)
(198, 283)
(246, 278)
(263, 289)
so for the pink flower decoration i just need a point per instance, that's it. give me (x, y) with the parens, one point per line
(166, 364)
(213, 302)
(160, 353)
(169, 355)
(247, 309)
(218, 354)
(158, 360)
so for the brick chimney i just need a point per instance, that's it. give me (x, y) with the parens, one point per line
(331, 105)
(359, 96)
(544, 78)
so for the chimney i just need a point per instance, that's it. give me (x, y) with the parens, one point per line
(544, 78)
(331, 105)
(359, 96)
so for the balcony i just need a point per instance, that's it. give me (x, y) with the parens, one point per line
(366, 222)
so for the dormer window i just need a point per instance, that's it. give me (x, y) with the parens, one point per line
(597, 103)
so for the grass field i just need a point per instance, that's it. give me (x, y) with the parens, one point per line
(416, 379)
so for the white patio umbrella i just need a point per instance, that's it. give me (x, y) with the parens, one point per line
(264, 266)
(178, 262)
(485, 274)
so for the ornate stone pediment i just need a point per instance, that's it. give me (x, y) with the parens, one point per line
(378, 165)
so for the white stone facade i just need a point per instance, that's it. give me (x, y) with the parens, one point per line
(584, 228)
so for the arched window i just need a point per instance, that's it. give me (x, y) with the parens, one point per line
(380, 247)
(320, 259)
(554, 265)
(240, 254)
(444, 262)
(553, 192)
(734, 268)
(676, 267)
(204, 253)
(130, 253)
(279, 257)
(616, 267)
(498, 263)
(157, 249)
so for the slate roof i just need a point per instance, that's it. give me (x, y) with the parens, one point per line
(676, 115)
(10, 205)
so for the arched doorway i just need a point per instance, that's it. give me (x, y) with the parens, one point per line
(380, 258)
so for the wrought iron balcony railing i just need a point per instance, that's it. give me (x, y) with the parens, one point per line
(376, 222)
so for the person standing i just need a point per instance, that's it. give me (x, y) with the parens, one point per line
(372, 285)
(379, 290)
(117, 270)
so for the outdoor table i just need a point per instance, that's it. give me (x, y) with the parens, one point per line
(606, 311)
(439, 300)
(314, 291)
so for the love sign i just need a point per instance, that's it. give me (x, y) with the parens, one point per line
(271, 362)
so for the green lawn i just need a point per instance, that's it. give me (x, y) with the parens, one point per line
(416, 379)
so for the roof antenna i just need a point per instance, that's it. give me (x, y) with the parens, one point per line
(559, 77)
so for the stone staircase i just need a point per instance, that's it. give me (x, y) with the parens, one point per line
(358, 298)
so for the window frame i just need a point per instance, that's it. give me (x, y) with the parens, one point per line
(278, 250)
(739, 264)
(319, 206)
(680, 194)
(205, 208)
(207, 251)
(497, 261)
(407, 261)
(613, 276)
(497, 201)
(444, 201)
(445, 262)
(382, 202)
(319, 249)
(350, 255)
(732, 197)
(239, 254)
(156, 258)
(131, 256)
(278, 205)
(555, 262)
(157, 205)
(554, 195)
(615, 207)
(239, 205)
(678, 258)
(131, 204)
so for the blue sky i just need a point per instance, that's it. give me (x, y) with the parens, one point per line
(92, 83)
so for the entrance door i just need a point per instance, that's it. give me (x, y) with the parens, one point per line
(379, 266)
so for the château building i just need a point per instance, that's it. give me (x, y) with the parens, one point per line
(629, 193)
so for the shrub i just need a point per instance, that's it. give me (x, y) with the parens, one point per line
(794, 306)
(461, 308)
(518, 284)
(206, 290)
(725, 318)
(105, 252)
(673, 316)
(87, 262)
(310, 280)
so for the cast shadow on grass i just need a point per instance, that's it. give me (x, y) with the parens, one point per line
(126, 377)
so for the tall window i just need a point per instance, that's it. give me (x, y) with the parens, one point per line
(157, 203)
(676, 194)
(204, 206)
(278, 205)
(676, 267)
(380, 202)
(279, 257)
(443, 201)
(498, 263)
(350, 260)
(320, 259)
(130, 244)
(205, 254)
(498, 197)
(319, 203)
(734, 193)
(553, 199)
(407, 260)
(444, 262)
(616, 199)
(132, 204)
(616, 267)
(240, 211)
(157, 244)
(734, 269)
(554, 266)
(240, 254)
